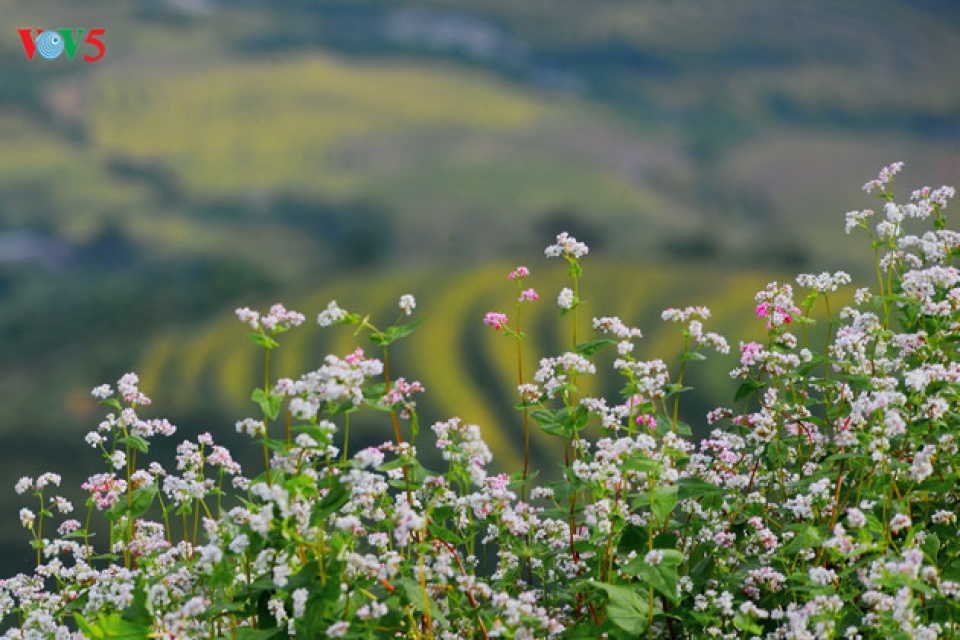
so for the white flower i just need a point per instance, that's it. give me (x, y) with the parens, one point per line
(566, 245)
(332, 314)
(338, 629)
(407, 303)
(102, 392)
(27, 517)
(566, 299)
(899, 522)
(24, 484)
(299, 598)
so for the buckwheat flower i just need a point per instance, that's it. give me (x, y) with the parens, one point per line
(239, 544)
(251, 427)
(653, 558)
(884, 177)
(887, 230)
(681, 316)
(102, 392)
(857, 219)
(822, 576)
(371, 457)
(61, 504)
(528, 295)
(372, 610)
(899, 522)
(495, 320)
(567, 246)
(331, 315)
(129, 391)
(856, 518)
(566, 299)
(616, 327)
(338, 629)
(407, 303)
(922, 466)
(27, 518)
(249, 317)
(299, 599)
(823, 282)
(282, 318)
(519, 272)
(944, 517)
(118, 459)
(646, 421)
(893, 213)
(48, 479)
(529, 393)
(68, 526)
(23, 485)
(281, 574)
(275, 606)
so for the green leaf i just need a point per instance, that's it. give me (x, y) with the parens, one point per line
(692, 356)
(931, 546)
(112, 627)
(264, 341)
(626, 608)
(246, 633)
(573, 305)
(591, 347)
(137, 505)
(562, 423)
(517, 480)
(392, 334)
(137, 611)
(806, 537)
(665, 425)
(269, 403)
(747, 624)
(440, 532)
(748, 388)
(414, 593)
(644, 465)
(662, 577)
(135, 442)
(662, 501)
(634, 538)
(321, 436)
(701, 564)
(336, 497)
(696, 488)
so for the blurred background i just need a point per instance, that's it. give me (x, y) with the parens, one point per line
(233, 153)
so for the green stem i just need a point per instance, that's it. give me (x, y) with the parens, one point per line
(266, 417)
(674, 420)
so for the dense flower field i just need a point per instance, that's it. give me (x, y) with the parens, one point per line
(822, 504)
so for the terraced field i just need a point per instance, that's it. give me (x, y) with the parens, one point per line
(469, 370)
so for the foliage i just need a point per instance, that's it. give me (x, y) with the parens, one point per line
(821, 505)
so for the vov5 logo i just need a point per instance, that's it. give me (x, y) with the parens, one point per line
(52, 43)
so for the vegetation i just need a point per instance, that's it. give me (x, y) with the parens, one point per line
(822, 503)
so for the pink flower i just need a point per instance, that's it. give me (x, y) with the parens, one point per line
(647, 421)
(495, 320)
(519, 272)
(528, 295)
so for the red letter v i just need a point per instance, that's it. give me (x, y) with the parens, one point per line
(29, 44)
